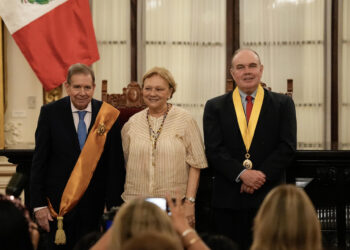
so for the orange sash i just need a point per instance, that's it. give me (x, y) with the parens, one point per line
(85, 166)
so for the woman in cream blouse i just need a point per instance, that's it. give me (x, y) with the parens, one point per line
(162, 145)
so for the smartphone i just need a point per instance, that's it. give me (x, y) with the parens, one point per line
(160, 202)
(107, 218)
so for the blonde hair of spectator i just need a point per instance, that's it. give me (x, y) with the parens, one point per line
(139, 216)
(287, 220)
(152, 240)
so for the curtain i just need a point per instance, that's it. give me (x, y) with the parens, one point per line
(289, 37)
(188, 38)
(112, 28)
(344, 132)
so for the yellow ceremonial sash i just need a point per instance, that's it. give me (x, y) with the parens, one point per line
(247, 132)
(85, 166)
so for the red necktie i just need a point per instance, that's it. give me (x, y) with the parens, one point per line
(249, 106)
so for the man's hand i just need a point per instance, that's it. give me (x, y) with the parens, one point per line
(246, 189)
(253, 179)
(43, 217)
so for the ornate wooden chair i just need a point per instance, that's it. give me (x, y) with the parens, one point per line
(128, 103)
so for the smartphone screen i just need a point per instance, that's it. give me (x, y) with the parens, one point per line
(160, 202)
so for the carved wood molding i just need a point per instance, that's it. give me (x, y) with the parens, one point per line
(131, 96)
(7, 169)
(52, 95)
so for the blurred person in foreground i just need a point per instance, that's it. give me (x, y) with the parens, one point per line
(133, 218)
(140, 216)
(17, 230)
(287, 220)
(163, 148)
(152, 240)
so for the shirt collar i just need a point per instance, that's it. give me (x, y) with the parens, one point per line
(75, 110)
(244, 95)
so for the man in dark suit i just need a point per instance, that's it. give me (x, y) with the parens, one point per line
(58, 145)
(250, 137)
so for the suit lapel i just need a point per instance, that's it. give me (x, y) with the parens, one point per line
(262, 117)
(265, 106)
(95, 107)
(232, 128)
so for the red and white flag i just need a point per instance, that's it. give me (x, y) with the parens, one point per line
(52, 35)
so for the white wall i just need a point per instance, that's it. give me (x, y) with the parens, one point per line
(21, 87)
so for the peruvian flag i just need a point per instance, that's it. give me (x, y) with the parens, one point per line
(52, 35)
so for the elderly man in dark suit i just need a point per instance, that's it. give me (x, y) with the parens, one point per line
(63, 127)
(250, 138)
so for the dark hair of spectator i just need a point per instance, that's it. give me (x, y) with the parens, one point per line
(218, 242)
(14, 225)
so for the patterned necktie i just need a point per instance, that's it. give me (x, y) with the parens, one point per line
(82, 132)
(249, 107)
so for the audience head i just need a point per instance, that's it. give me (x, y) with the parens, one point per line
(218, 242)
(287, 220)
(138, 216)
(162, 73)
(15, 231)
(153, 240)
(87, 241)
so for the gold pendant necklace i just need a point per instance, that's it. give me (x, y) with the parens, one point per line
(247, 163)
(155, 135)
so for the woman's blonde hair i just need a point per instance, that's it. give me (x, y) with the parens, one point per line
(163, 73)
(138, 216)
(287, 220)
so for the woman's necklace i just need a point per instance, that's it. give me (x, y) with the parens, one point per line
(155, 135)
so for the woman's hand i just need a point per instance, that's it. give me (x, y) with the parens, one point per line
(34, 234)
(190, 212)
(178, 214)
(190, 238)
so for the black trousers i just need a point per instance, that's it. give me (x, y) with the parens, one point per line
(235, 224)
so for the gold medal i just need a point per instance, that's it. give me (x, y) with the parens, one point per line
(248, 164)
(101, 129)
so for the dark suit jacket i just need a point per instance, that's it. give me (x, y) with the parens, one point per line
(56, 152)
(272, 148)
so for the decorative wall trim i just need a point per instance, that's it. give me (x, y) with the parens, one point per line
(314, 145)
(308, 104)
(281, 43)
(6, 172)
(7, 169)
(13, 131)
(190, 105)
(188, 43)
(112, 42)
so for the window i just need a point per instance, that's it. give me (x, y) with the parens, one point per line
(289, 36)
